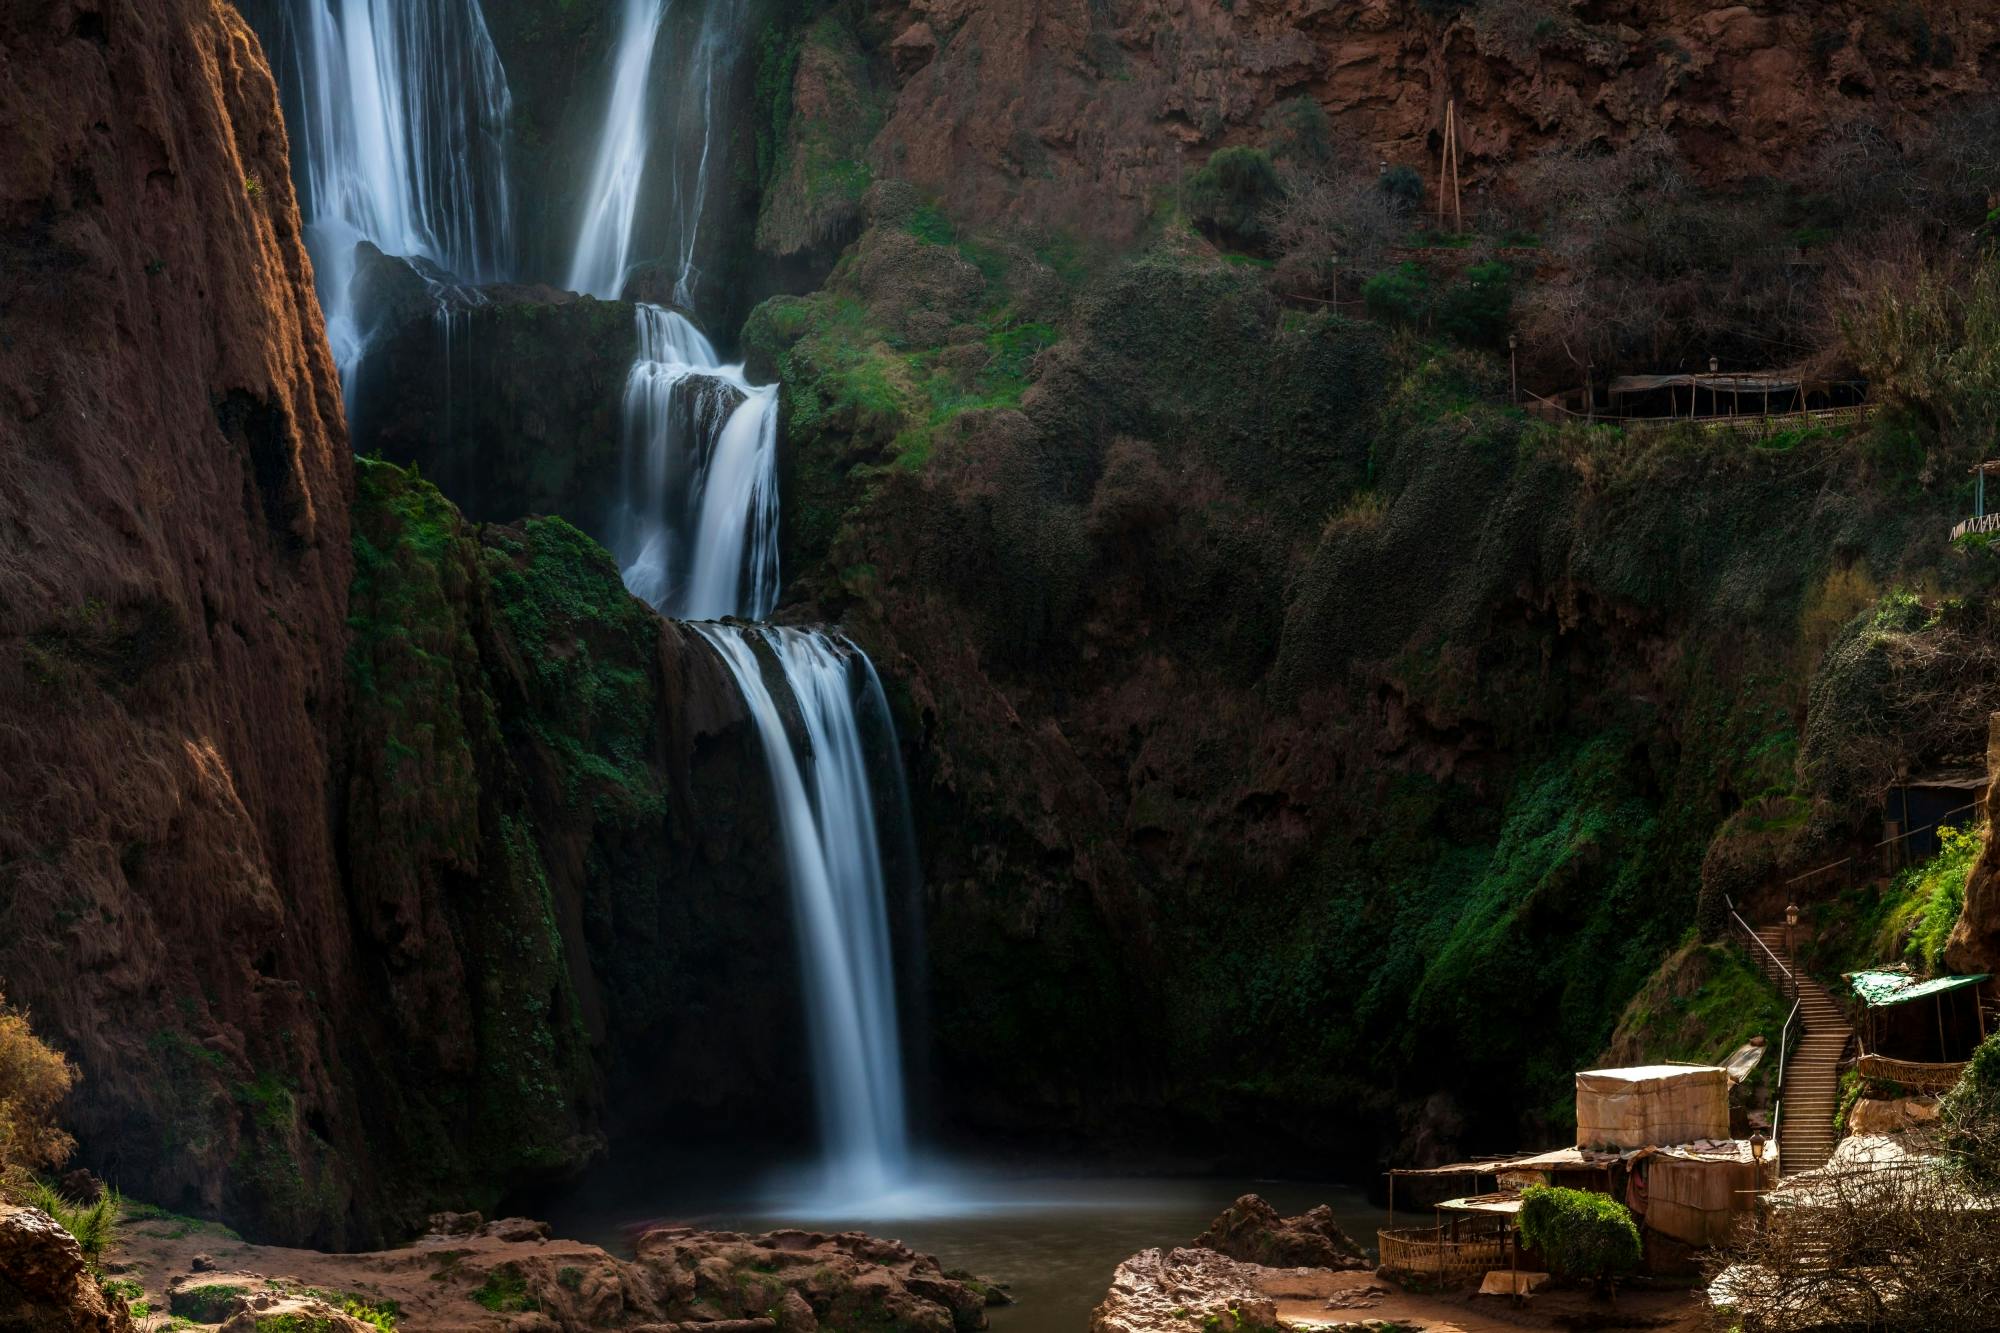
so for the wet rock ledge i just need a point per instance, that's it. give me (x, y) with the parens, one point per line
(468, 1275)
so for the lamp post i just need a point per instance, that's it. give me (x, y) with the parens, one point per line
(1757, 1145)
(1713, 366)
(1513, 368)
(1791, 927)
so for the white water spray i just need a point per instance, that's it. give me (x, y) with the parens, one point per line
(696, 529)
(402, 126)
(826, 811)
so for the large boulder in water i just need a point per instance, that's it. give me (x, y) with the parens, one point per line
(1251, 1230)
(811, 1281)
(1156, 1290)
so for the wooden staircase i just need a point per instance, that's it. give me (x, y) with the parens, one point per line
(1809, 1091)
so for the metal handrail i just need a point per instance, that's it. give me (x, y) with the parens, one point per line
(1777, 962)
(1785, 1045)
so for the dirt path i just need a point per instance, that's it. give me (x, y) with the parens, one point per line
(1303, 1298)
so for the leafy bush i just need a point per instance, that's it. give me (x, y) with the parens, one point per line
(1300, 132)
(1583, 1235)
(1402, 184)
(1227, 196)
(1475, 311)
(1970, 1114)
(1400, 295)
(33, 1081)
(1938, 888)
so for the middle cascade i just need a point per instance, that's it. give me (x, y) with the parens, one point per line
(696, 528)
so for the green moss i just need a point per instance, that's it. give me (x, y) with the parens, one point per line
(1705, 1002)
(589, 645)
(505, 1291)
(210, 1303)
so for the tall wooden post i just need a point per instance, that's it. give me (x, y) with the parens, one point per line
(1448, 169)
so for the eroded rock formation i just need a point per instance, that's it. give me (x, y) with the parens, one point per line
(511, 1274)
(44, 1286)
(1251, 1230)
(1081, 115)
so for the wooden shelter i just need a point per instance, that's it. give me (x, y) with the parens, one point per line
(1928, 1042)
(1916, 806)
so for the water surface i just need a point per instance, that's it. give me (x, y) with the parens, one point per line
(1053, 1238)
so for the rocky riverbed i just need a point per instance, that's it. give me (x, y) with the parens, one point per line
(468, 1274)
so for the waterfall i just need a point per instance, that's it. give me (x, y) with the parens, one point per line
(696, 534)
(611, 201)
(696, 528)
(401, 122)
(614, 196)
(826, 815)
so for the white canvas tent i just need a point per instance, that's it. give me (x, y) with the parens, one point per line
(1650, 1106)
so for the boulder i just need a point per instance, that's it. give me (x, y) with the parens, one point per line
(803, 1281)
(1156, 1290)
(271, 1310)
(44, 1285)
(1251, 1230)
(1891, 1115)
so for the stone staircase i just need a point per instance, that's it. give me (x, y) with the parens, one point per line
(1811, 1092)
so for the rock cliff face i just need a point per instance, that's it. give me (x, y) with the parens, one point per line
(174, 584)
(1080, 115)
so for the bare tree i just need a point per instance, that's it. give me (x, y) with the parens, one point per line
(1331, 223)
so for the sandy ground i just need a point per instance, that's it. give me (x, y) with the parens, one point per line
(1303, 1297)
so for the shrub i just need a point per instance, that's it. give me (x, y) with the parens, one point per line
(1970, 1115)
(34, 1079)
(1328, 222)
(1475, 311)
(94, 1225)
(1227, 196)
(1590, 1237)
(1403, 185)
(1300, 132)
(1400, 295)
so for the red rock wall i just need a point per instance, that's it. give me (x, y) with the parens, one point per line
(1081, 114)
(174, 558)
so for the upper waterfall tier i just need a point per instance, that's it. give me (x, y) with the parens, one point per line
(401, 126)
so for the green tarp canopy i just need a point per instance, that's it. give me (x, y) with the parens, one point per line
(1878, 989)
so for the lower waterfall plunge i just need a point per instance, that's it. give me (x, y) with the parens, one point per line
(826, 815)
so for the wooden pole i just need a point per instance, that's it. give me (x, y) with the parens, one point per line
(1457, 212)
(1444, 164)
